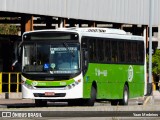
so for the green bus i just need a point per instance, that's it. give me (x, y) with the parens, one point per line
(82, 65)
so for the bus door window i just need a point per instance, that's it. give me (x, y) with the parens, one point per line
(91, 50)
(85, 56)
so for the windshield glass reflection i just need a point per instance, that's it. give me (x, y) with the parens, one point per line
(57, 58)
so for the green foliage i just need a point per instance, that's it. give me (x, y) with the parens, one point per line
(156, 62)
(8, 29)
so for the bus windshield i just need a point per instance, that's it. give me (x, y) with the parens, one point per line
(61, 58)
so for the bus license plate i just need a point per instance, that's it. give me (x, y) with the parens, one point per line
(49, 93)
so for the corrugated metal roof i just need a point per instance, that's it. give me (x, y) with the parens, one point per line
(120, 11)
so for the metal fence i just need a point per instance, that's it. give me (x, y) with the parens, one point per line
(10, 82)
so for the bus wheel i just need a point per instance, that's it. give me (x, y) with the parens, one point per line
(124, 101)
(40, 103)
(114, 102)
(91, 101)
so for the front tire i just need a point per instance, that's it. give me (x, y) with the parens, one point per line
(92, 99)
(124, 101)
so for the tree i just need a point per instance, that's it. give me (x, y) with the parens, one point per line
(8, 29)
(156, 63)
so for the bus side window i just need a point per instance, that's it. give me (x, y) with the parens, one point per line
(100, 50)
(134, 52)
(128, 52)
(114, 52)
(141, 52)
(92, 50)
(84, 42)
(121, 51)
(107, 56)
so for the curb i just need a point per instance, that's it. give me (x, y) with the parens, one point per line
(15, 95)
(12, 95)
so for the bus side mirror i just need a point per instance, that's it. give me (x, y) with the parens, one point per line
(16, 66)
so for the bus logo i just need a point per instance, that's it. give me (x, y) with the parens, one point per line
(35, 83)
(99, 72)
(130, 73)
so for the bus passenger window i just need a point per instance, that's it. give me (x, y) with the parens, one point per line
(100, 50)
(127, 52)
(107, 56)
(92, 50)
(114, 51)
(141, 52)
(121, 51)
(134, 52)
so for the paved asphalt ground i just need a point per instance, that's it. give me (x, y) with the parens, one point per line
(17, 101)
(101, 110)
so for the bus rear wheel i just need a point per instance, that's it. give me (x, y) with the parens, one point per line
(124, 101)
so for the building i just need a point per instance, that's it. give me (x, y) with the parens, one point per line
(130, 15)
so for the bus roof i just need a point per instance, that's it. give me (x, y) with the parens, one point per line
(96, 32)
(103, 32)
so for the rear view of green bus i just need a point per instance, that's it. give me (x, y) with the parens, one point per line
(82, 65)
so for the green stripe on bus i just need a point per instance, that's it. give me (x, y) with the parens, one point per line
(50, 83)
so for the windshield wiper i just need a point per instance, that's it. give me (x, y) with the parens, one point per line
(71, 51)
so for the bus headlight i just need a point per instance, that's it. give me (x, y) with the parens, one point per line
(73, 84)
(28, 86)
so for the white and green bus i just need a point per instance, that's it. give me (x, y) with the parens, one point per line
(82, 65)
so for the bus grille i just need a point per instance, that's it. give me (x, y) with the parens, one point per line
(43, 95)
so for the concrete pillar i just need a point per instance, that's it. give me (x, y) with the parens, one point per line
(145, 34)
(26, 23)
(62, 23)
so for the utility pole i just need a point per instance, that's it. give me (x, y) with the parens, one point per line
(150, 45)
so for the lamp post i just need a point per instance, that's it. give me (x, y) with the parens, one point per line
(150, 44)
